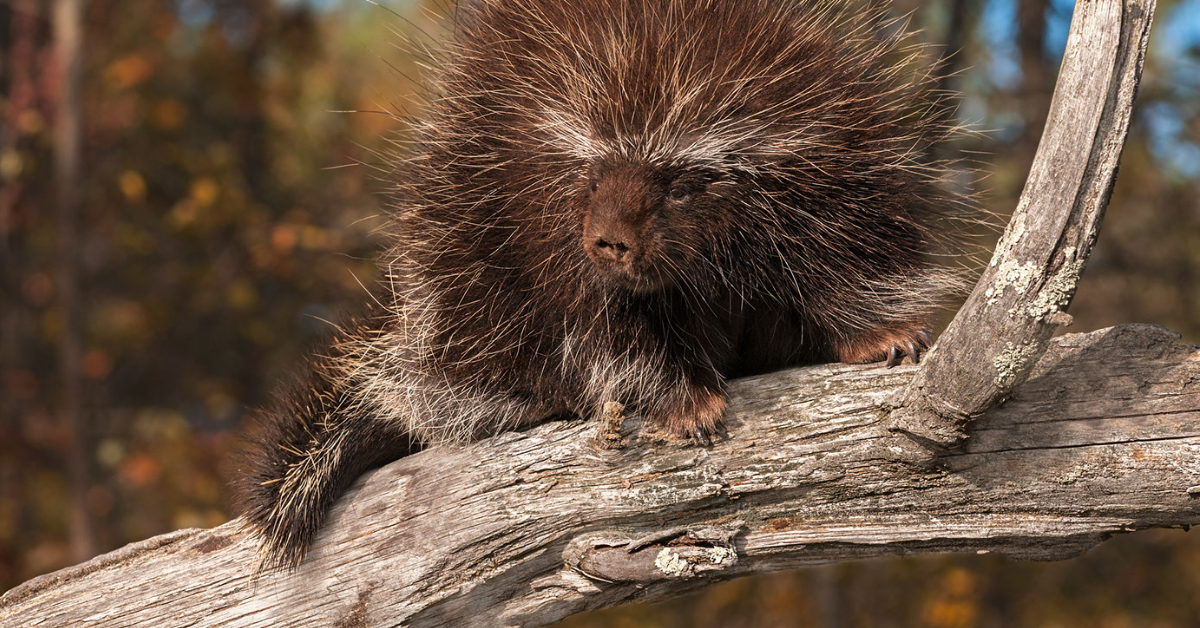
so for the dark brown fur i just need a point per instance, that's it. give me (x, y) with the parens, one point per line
(631, 201)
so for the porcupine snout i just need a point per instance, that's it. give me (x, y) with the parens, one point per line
(619, 226)
(612, 243)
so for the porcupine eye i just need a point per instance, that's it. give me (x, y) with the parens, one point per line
(682, 190)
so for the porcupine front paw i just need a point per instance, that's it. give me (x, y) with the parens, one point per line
(697, 414)
(887, 344)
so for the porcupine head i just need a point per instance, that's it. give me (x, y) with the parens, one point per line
(630, 201)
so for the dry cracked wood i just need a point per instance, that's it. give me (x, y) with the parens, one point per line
(1103, 438)
(1023, 294)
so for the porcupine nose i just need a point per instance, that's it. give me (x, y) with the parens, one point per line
(614, 249)
(619, 206)
(612, 242)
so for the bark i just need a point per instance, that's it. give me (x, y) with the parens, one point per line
(995, 340)
(527, 528)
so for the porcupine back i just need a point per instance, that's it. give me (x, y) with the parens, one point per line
(798, 140)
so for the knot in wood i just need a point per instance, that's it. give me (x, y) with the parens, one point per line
(673, 553)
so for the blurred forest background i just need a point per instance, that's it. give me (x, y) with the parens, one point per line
(182, 212)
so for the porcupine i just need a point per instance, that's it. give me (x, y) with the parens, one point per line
(631, 201)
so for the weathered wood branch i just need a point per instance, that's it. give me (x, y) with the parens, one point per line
(1021, 299)
(527, 528)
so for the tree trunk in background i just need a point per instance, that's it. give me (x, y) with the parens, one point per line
(954, 41)
(18, 86)
(1037, 75)
(258, 18)
(826, 598)
(17, 46)
(1186, 212)
(68, 39)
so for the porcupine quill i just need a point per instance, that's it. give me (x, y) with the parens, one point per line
(626, 201)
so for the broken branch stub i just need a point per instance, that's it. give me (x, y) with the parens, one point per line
(1004, 327)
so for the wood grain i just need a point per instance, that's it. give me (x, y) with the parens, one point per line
(527, 528)
(1000, 332)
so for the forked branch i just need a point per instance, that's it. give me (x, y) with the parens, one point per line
(1002, 330)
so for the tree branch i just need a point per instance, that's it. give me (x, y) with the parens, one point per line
(526, 528)
(1023, 294)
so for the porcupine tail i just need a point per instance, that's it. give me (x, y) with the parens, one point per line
(307, 450)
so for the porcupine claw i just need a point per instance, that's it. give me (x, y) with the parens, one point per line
(893, 357)
(699, 422)
(913, 348)
(706, 436)
(913, 351)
